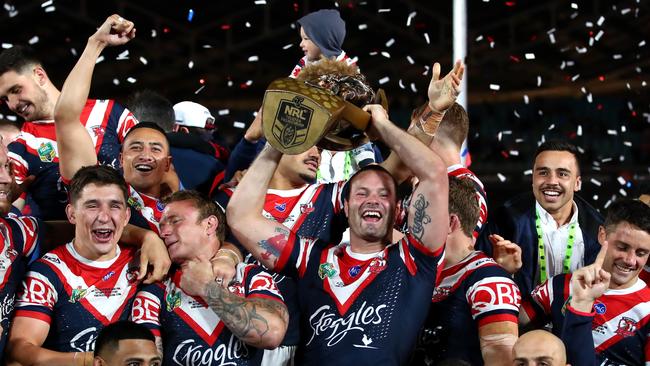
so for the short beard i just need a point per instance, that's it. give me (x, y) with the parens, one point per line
(307, 179)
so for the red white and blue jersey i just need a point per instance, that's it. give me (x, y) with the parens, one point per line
(192, 333)
(359, 308)
(146, 211)
(620, 326)
(35, 151)
(304, 62)
(461, 172)
(78, 297)
(19, 245)
(315, 210)
(470, 294)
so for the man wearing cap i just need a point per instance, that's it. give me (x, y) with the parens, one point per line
(191, 146)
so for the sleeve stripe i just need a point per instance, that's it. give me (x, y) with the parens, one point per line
(34, 315)
(497, 318)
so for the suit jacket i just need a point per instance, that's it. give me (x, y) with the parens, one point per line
(515, 221)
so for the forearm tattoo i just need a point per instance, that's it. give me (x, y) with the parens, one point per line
(420, 217)
(244, 317)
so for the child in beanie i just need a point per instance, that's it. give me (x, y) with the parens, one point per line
(322, 33)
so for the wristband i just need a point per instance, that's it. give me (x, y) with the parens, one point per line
(429, 120)
(228, 253)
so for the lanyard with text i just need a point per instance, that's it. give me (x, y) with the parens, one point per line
(541, 252)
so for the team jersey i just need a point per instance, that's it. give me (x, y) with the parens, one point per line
(35, 152)
(459, 172)
(78, 297)
(304, 62)
(470, 294)
(359, 308)
(192, 333)
(620, 326)
(20, 242)
(146, 211)
(311, 211)
(315, 210)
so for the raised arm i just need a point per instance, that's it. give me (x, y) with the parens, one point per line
(263, 238)
(428, 214)
(76, 148)
(442, 94)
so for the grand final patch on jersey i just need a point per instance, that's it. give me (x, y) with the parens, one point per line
(46, 152)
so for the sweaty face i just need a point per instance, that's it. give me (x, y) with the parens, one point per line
(145, 160)
(184, 235)
(24, 96)
(7, 183)
(300, 168)
(627, 253)
(99, 215)
(555, 179)
(134, 352)
(371, 208)
(308, 46)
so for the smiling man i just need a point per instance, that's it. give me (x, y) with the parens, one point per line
(601, 311)
(76, 289)
(27, 90)
(556, 229)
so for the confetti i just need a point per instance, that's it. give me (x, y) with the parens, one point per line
(627, 143)
(514, 152)
(413, 88)
(238, 124)
(12, 118)
(501, 177)
(190, 15)
(599, 35)
(99, 59)
(46, 4)
(401, 84)
(617, 56)
(539, 81)
(190, 64)
(363, 26)
(495, 87)
(33, 40)
(600, 21)
(385, 10)
(260, 2)
(153, 33)
(197, 91)
(249, 82)
(390, 42)
(410, 60)
(384, 80)
(248, 24)
(579, 132)
(116, 82)
(50, 9)
(410, 17)
(528, 172)
(551, 38)
(612, 132)
(223, 112)
(73, 51)
(131, 80)
(575, 77)
(642, 43)
(426, 38)
(385, 54)
(625, 11)
(479, 38)
(286, 47)
(622, 192)
(574, 6)
(621, 180)
(595, 197)
(529, 56)
(253, 58)
(7, 45)
(595, 182)
(526, 99)
(123, 56)
(143, 60)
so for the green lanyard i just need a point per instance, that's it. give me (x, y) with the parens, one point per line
(347, 167)
(541, 251)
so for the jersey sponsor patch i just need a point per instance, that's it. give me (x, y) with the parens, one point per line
(493, 293)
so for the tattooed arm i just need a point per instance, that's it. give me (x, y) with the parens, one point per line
(263, 238)
(428, 214)
(259, 322)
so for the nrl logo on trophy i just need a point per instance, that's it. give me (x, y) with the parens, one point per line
(292, 122)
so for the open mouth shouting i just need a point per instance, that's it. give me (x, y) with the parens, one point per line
(371, 215)
(102, 235)
(144, 168)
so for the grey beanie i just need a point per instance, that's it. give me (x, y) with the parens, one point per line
(326, 29)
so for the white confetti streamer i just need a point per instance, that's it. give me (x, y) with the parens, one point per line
(410, 60)
(385, 54)
(363, 26)
(99, 59)
(197, 91)
(385, 10)
(579, 132)
(410, 18)
(190, 64)
(495, 87)
(595, 182)
(621, 180)
(238, 124)
(116, 82)
(143, 60)
(384, 80)
(286, 47)
(33, 40)
(46, 4)
(131, 80)
(224, 112)
(390, 42)
(50, 9)
(529, 56)
(253, 58)
(501, 177)
(426, 38)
